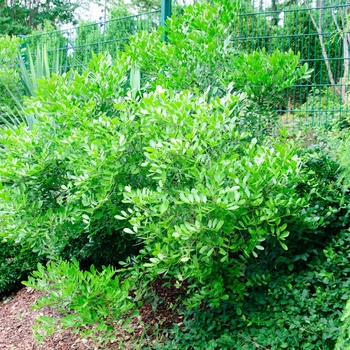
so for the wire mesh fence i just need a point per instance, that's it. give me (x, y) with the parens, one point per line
(77, 44)
(318, 30)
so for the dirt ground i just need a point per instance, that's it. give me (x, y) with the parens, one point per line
(16, 322)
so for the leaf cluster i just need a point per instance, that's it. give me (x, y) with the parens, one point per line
(92, 303)
(302, 308)
(15, 266)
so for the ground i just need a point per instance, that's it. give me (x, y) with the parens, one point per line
(16, 322)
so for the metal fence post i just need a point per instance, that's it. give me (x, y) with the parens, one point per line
(165, 11)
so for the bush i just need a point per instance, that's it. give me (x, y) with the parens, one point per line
(173, 173)
(199, 54)
(300, 308)
(94, 303)
(15, 266)
(176, 177)
(61, 194)
(213, 196)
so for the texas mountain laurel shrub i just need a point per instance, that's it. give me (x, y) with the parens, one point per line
(170, 177)
(61, 179)
(212, 195)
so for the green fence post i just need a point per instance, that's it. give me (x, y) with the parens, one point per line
(165, 11)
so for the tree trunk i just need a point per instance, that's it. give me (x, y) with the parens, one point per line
(275, 14)
(345, 37)
(319, 30)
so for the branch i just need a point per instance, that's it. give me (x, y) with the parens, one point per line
(323, 47)
(345, 37)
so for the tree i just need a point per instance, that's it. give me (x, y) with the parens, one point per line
(340, 17)
(23, 16)
(120, 8)
(146, 5)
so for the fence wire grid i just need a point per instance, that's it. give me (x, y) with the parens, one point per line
(318, 30)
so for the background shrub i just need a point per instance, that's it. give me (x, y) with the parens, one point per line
(9, 75)
(60, 197)
(300, 307)
(15, 266)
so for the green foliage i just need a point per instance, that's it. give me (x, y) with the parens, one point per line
(118, 9)
(46, 35)
(21, 18)
(331, 202)
(277, 73)
(196, 52)
(93, 303)
(344, 157)
(179, 177)
(9, 75)
(39, 68)
(60, 196)
(200, 53)
(15, 265)
(300, 308)
(265, 78)
(175, 173)
(215, 195)
(9, 47)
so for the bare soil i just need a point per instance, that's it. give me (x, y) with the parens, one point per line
(16, 323)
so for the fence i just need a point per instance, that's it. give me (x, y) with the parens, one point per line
(77, 44)
(319, 31)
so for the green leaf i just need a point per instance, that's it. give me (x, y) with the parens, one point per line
(164, 206)
(284, 246)
(127, 230)
(210, 252)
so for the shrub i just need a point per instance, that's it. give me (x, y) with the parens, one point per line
(199, 53)
(196, 51)
(15, 266)
(64, 187)
(92, 302)
(300, 308)
(265, 78)
(213, 195)
(173, 173)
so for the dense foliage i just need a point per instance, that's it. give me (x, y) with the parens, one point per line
(21, 17)
(15, 266)
(9, 74)
(58, 191)
(182, 177)
(85, 298)
(302, 308)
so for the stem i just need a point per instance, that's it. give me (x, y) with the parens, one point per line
(345, 37)
(323, 47)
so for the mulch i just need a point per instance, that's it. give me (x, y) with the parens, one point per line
(16, 322)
